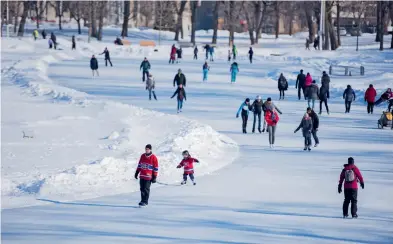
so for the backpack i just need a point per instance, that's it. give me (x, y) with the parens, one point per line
(349, 175)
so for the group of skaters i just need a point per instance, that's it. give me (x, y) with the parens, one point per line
(94, 61)
(315, 42)
(52, 40)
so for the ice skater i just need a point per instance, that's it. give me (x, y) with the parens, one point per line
(181, 95)
(150, 86)
(94, 65)
(349, 96)
(306, 126)
(196, 53)
(250, 54)
(244, 109)
(107, 57)
(188, 164)
(234, 70)
(282, 86)
(205, 70)
(145, 67)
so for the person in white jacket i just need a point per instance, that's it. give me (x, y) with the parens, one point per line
(150, 85)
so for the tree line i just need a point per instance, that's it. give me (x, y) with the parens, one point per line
(168, 15)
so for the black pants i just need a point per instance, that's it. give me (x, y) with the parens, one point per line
(390, 104)
(145, 190)
(185, 177)
(351, 196)
(298, 92)
(207, 55)
(307, 140)
(234, 56)
(315, 136)
(106, 61)
(251, 59)
(73, 46)
(143, 75)
(326, 106)
(370, 107)
(256, 114)
(282, 94)
(244, 118)
(195, 56)
(348, 106)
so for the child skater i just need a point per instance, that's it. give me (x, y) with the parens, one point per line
(188, 164)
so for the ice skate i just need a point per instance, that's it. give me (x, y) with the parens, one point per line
(184, 182)
(194, 183)
(355, 216)
(309, 148)
(316, 144)
(305, 149)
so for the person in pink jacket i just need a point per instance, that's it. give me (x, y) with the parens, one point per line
(307, 84)
(351, 175)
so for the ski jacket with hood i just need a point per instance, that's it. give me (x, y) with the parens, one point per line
(349, 95)
(370, 95)
(306, 126)
(271, 117)
(181, 94)
(308, 80)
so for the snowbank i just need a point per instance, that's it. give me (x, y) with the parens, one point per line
(128, 129)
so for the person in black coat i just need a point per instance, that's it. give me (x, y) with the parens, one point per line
(196, 53)
(349, 96)
(250, 54)
(180, 78)
(181, 94)
(256, 107)
(207, 49)
(73, 43)
(179, 53)
(43, 33)
(315, 125)
(53, 38)
(107, 57)
(323, 97)
(282, 86)
(300, 82)
(94, 65)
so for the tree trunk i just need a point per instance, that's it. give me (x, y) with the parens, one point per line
(101, 5)
(250, 28)
(179, 23)
(22, 23)
(16, 22)
(378, 37)
(124, 31)
(333, 40)
(93, 21)
(327, 34)
(194, 6)
(261, 20)
(338, 23)
(290, 23)
(231, 23)
(79, 26)
(277, 19)
(381, 29)
(37, 15)
(310, 25)
(391, 20)
(215, 19)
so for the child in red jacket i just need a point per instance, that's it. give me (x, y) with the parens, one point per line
(188, 164)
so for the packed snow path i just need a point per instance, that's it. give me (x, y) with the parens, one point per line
(282, 195)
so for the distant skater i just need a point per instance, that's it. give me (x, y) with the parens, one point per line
(94, 65)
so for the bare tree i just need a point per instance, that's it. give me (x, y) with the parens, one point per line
(146, 11)
(215, 19)
(39, 8)
(358, 10)
(391, 20)
(126, 18)
(102, 8)
(77, 11)
(383, 12)
(277, 10)
(378, 34)
(308, 11)
(255, 12)
(16, 13)
(194, 9)
(338, 10)
(179, 12)
(22, 23)
(60, 7)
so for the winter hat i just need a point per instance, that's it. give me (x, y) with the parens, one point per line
(348, 86)
(269, 99)
(185, 152)
(371, 85)
(309, 109)
(351, 160)
(148, 146)
(324, 72)
(258, 97)
(247, 100)
(301, 71)
(179, 70)
(306, 115)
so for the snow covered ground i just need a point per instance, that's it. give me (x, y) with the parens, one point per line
(72, 182)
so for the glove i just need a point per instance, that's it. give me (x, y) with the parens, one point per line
(136, 174)
(339, 188)
(237, 115)
(362, 185)
(179, 166)
(154, 179)
(274, 121)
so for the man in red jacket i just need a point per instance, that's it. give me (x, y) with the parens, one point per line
(369, 97)
(351, 174)
(148, 169)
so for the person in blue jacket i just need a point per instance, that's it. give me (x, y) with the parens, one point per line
(205, 69)
(244, 109)
(234, 70)
(211, 51)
